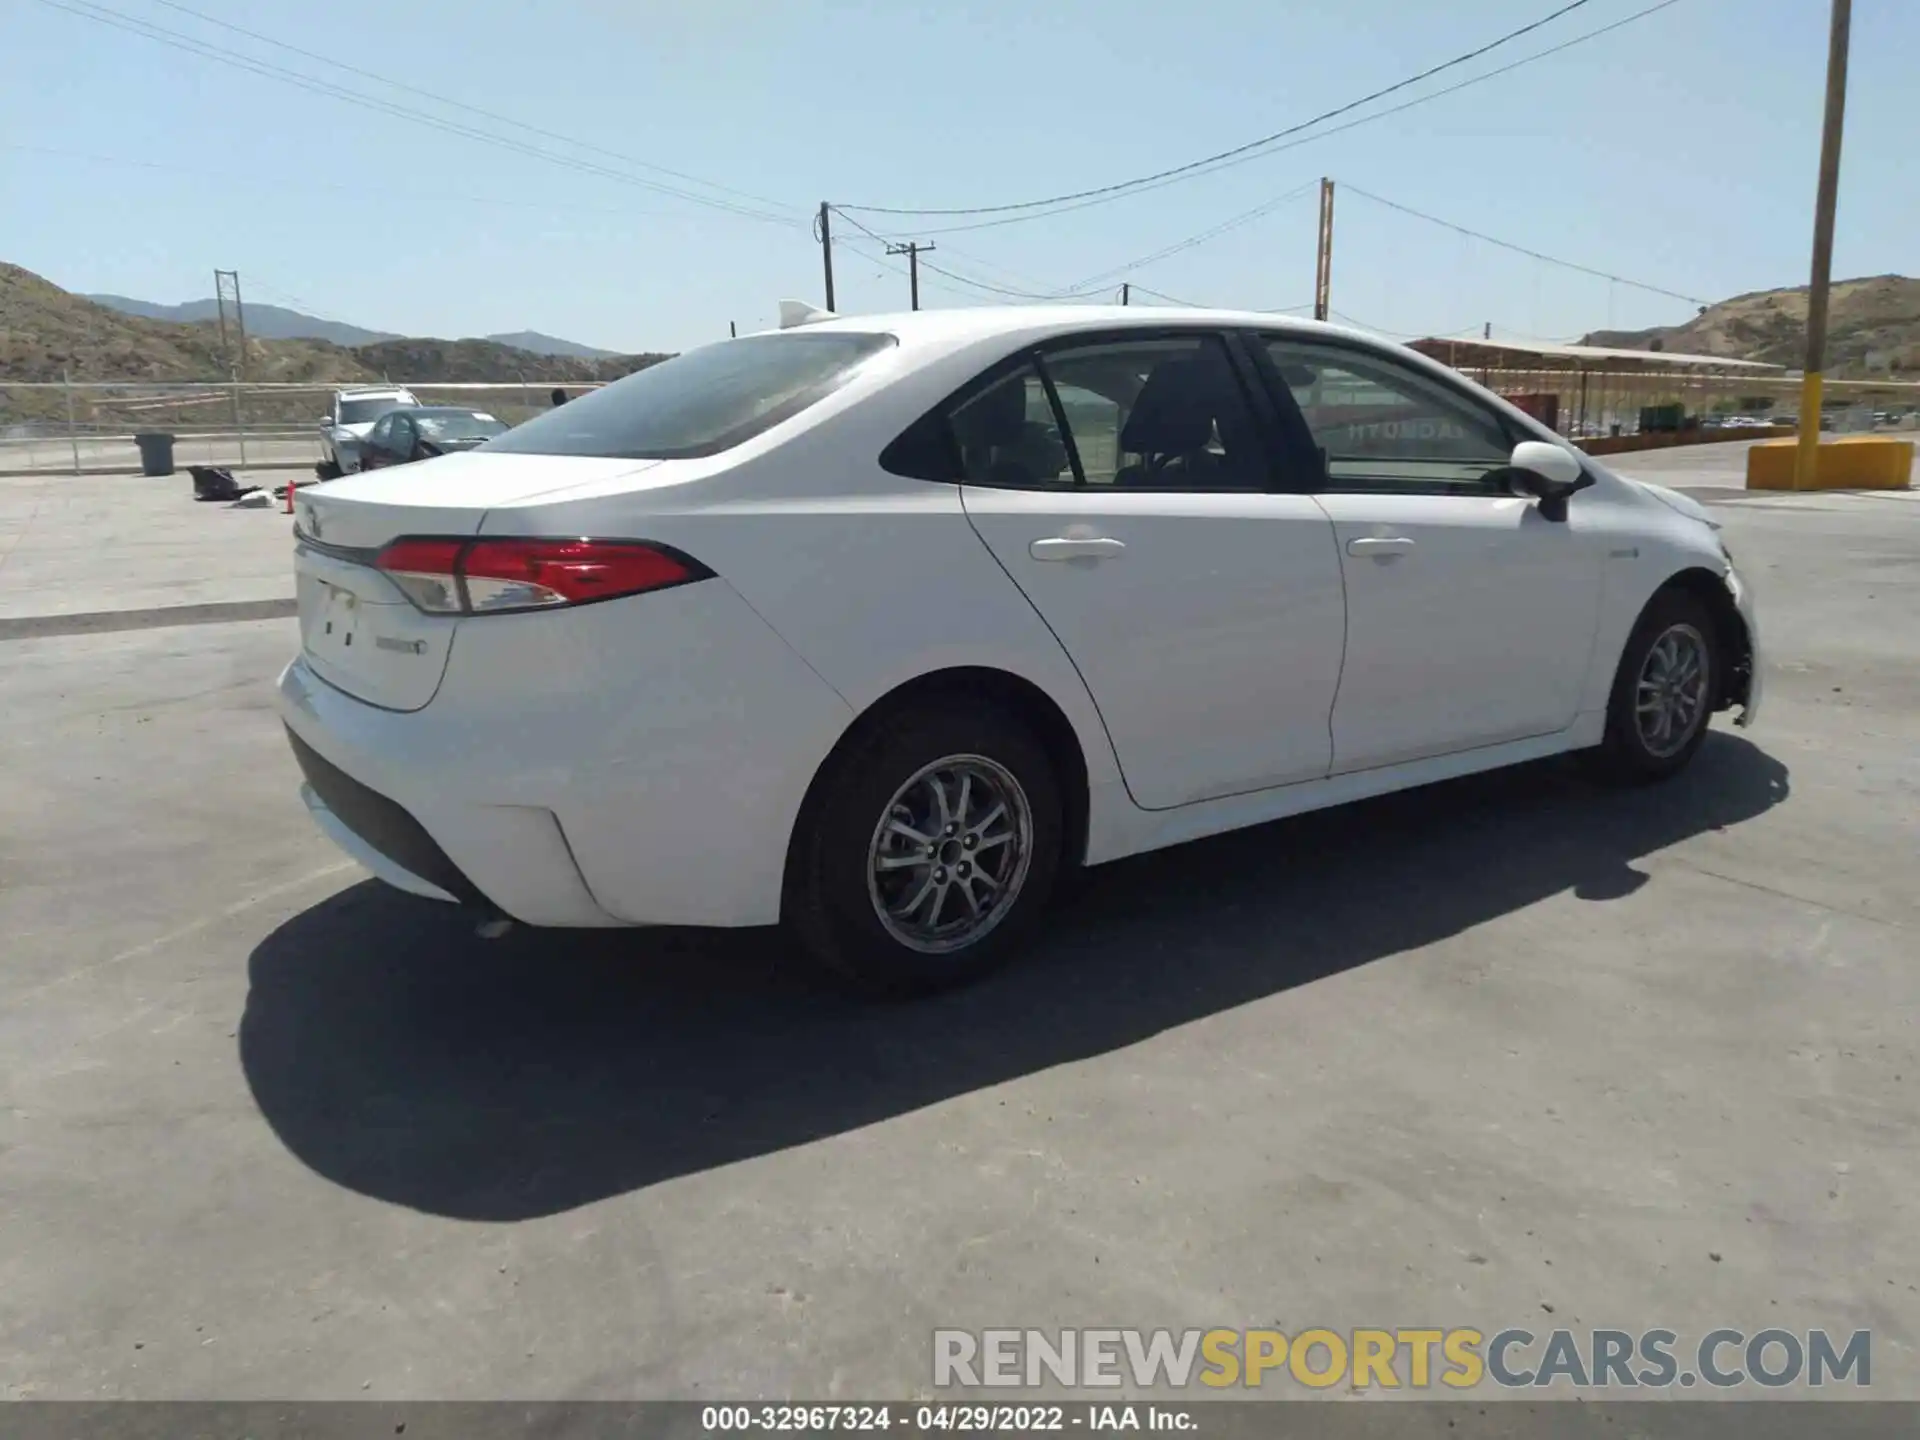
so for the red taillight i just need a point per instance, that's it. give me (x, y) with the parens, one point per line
(491, 577)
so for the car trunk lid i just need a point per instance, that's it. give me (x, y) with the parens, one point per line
(358, 631)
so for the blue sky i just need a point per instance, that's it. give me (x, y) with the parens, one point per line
(1679, 151)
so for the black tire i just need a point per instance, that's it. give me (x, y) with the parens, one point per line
(830, 907)
(327, 469)
(1626, 755)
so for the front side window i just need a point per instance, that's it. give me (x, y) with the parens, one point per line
(1385, 427)
(699, 403)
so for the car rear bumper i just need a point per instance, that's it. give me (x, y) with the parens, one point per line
(378, 833)
(426, 837)
(638, 762)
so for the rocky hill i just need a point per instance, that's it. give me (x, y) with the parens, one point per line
(46, 332)
(1873, 326)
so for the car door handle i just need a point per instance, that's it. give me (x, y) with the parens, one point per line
(1076, 547)
(1380, 547)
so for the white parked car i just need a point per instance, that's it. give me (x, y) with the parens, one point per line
(350, 418)
(877, 626)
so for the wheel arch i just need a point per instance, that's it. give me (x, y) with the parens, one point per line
(1730, 629)
(1025, 700)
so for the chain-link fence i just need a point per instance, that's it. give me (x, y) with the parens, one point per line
(1600, 409)
(90, 427)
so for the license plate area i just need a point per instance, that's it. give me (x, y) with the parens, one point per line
(337, 621)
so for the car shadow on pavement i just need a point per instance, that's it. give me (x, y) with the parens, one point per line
(400, 1056)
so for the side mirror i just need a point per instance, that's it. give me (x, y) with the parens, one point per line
(1548, 473)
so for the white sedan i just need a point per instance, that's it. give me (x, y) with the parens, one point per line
(875, 627)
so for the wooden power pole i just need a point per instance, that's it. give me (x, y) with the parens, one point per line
(1807, 459)
(1323, 268)
(912, 251)
(826, 247)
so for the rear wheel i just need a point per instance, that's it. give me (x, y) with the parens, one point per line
(1664, 692)
(929, 852)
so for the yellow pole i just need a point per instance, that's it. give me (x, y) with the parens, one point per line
(1807, 457)
(1806, 462)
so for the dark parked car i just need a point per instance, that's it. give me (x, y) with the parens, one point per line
(421, 432)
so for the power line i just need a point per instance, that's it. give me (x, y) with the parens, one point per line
(1353, 189)
(1080, 288)
(1140, 289)
(304, 184)
(103, 15)
(985, 286)
(1176, 177)
(1245, 217)
(1250, 145)
(462, 105)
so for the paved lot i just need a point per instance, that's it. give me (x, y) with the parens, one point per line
(1515, 1050)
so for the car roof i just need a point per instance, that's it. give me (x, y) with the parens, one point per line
(942, 329)
(370, 392)
(447, 410)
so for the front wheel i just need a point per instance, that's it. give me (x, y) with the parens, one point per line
(930, 850)
(1664, 692)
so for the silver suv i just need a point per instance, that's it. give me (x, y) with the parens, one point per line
(345, 425)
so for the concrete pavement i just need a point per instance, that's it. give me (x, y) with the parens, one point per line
(1512, 1051)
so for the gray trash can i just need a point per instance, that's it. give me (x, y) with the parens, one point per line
(156, 452)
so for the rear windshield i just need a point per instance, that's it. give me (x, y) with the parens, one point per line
(358, 412)
(699, 403)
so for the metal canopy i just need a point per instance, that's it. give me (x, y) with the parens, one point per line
(1511, 355)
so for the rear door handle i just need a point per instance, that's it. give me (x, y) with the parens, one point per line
(1380, 547)
(1076, 547)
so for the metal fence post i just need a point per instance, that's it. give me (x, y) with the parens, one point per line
(73, 435)
(239, 424)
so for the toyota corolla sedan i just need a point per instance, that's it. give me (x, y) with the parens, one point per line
(877, 627)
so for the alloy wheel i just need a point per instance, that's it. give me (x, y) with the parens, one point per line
(950, 853)
(1670, 694)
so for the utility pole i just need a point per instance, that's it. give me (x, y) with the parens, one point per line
(826, 246)
(1486, 331)
(733, 331)
(1126, 292)
(226, 295)
(912, 251)
(1807, 459)
(1323, 266)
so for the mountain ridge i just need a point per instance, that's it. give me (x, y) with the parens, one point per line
(1873, 326)
(277, 322)
(48, 334)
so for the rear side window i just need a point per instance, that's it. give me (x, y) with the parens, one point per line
(699, 403)
(1165, 413)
